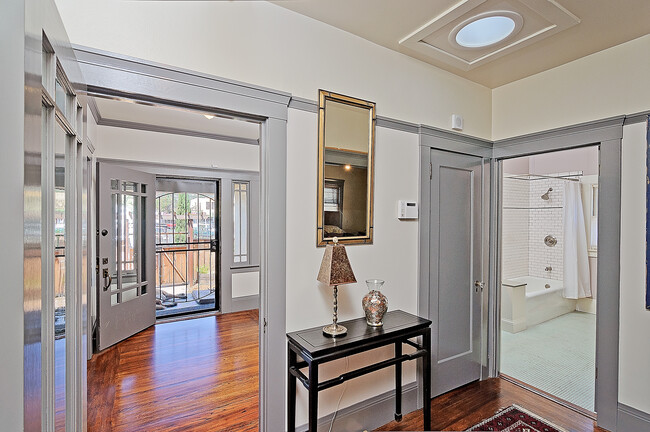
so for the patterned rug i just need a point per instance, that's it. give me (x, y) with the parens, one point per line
(516, 419)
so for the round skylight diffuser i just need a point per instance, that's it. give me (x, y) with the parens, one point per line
(486, 29)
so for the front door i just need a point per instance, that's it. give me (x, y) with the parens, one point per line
(126, 253)
(455, 269)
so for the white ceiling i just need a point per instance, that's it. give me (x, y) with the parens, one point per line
(159, 117)
(602, 24)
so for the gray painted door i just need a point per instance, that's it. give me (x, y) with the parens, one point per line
(455, 267)
(126, 259)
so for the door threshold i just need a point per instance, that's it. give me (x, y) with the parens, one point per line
(173, 318)
(580, 410)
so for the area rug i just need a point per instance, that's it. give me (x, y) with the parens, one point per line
(516, 419)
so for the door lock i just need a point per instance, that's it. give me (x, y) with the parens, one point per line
(477, 285)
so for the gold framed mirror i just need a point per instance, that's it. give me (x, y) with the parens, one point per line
(346, 144)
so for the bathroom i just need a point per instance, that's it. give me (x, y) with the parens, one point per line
(549, 247)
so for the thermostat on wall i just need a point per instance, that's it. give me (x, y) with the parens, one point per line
(407, 209)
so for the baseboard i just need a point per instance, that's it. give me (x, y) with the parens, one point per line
(245, 303)
(631, 419)
(371, 413)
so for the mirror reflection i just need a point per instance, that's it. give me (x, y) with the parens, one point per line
(346, 142)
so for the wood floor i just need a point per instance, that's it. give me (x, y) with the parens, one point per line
(202, 375)
(192, 375)
(462, 408)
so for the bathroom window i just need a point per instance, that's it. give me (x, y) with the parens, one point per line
(593, 231)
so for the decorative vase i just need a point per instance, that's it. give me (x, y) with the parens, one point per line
(375, 304)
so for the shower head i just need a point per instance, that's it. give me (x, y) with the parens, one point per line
(545, 197)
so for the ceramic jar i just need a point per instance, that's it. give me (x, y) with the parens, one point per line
(375, 304)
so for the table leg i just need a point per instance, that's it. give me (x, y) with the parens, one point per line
(398, 382)
(291, 393)
(426, 377)
(313, 396)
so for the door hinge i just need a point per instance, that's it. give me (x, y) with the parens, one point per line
(265, 325)
(430, 171)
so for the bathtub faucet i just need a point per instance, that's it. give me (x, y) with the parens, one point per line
(548, 268)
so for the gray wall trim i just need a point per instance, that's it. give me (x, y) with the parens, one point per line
(171, 130)
(94, 109)
(244, 268)
(632, 420)
(454, 136)
(245, 303)
(383, 122)
(557, 139)
(183, 170)
(432, 138)
(399, 125)
(120, 61)
(370, 413)
(303, 104)
(273, 277)
(636, 118)
(608, 277)
(121, 76)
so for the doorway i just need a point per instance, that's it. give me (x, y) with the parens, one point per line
(187, 246)
(201, 175)
(549, 249)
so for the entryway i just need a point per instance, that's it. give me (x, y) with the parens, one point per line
(549, 250)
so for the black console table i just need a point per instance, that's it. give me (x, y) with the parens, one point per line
(315, 349)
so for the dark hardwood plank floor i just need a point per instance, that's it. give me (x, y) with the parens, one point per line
(462, 408)
(192, 375)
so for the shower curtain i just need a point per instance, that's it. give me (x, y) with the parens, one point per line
(576, 259)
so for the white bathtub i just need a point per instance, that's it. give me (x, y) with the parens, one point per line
(525, 302)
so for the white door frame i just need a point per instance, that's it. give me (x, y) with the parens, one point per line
(121, 76)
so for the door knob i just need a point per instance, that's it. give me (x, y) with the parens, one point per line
(110, 279)
(477, 285)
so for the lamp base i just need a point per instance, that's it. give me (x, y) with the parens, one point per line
(334, 330)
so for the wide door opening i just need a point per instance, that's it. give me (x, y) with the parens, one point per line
(204, 188)
(549, 250)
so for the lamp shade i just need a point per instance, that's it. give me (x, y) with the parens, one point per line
(335, 268)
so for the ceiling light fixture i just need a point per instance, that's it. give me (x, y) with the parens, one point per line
(486, 29)
(208, 116)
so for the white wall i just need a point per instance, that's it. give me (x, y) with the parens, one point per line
(245, 284)
(163, 148)
(12, 87)
(634, 351)
(604, 84)
(392, 256)
(264, 44)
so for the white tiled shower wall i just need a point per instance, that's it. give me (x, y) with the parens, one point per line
(527, 219)
(515, 228)
(546, 218)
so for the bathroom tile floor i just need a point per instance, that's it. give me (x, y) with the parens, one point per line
(556, 356)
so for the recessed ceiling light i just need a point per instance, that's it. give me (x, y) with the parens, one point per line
(486, 29)
(208, 116)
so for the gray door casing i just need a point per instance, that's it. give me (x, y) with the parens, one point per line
(117, 322)
(456, 268)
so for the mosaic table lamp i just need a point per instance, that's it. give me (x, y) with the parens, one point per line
(335, 270)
